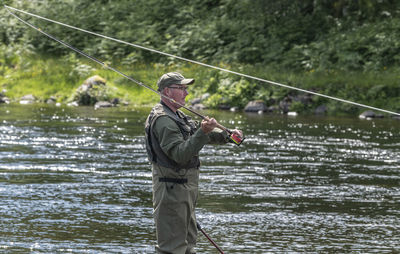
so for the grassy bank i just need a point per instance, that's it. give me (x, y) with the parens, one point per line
(45, 76)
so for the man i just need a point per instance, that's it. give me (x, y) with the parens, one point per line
(173, 142)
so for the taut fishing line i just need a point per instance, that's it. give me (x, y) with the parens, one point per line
(233, 136)
(197, 62)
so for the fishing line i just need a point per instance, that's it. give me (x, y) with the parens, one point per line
(204, 64)
(233, 136)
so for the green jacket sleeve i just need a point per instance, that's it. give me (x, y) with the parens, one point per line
(218, 136)
(172, 142)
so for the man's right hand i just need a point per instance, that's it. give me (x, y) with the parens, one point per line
(208, 124)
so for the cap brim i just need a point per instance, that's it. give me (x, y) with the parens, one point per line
(186, 81)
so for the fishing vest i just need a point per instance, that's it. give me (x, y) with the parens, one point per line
(154, 152)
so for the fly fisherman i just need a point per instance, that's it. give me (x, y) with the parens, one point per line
(173, 143)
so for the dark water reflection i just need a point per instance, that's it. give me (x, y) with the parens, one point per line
(77, 180)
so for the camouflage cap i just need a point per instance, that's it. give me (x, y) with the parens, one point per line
(173, 78)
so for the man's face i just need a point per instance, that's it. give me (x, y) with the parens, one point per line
(178, 93)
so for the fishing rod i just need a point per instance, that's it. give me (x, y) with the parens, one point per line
(206, 65)
(211, 241)
(233, 136)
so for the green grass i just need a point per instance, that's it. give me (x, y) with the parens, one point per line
(42, 78)
(45, 76)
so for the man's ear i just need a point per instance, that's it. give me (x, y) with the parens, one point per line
(167, 91)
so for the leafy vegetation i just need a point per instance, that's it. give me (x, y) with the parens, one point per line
(342, 48)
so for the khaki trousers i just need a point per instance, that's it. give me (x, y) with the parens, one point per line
(174, 210)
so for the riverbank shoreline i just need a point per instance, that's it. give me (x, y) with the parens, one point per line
(57, 79)
(366, 115)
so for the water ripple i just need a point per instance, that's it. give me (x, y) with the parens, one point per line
(78, 180)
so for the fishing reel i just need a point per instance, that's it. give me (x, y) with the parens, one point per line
(235, 138)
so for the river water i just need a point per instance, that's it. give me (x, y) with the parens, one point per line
(77, 180)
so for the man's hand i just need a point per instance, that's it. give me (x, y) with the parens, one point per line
(208, 124)
(238, 133)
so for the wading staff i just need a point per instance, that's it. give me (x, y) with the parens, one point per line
(211, 241)
(235, 138)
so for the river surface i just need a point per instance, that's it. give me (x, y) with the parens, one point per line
(77, 180)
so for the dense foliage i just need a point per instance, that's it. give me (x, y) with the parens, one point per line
(324, 38)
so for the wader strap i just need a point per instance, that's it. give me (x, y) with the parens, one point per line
(173, 180)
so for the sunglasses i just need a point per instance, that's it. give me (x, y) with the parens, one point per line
(179, 87)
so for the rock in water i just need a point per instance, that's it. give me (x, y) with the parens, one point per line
(255, 106)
